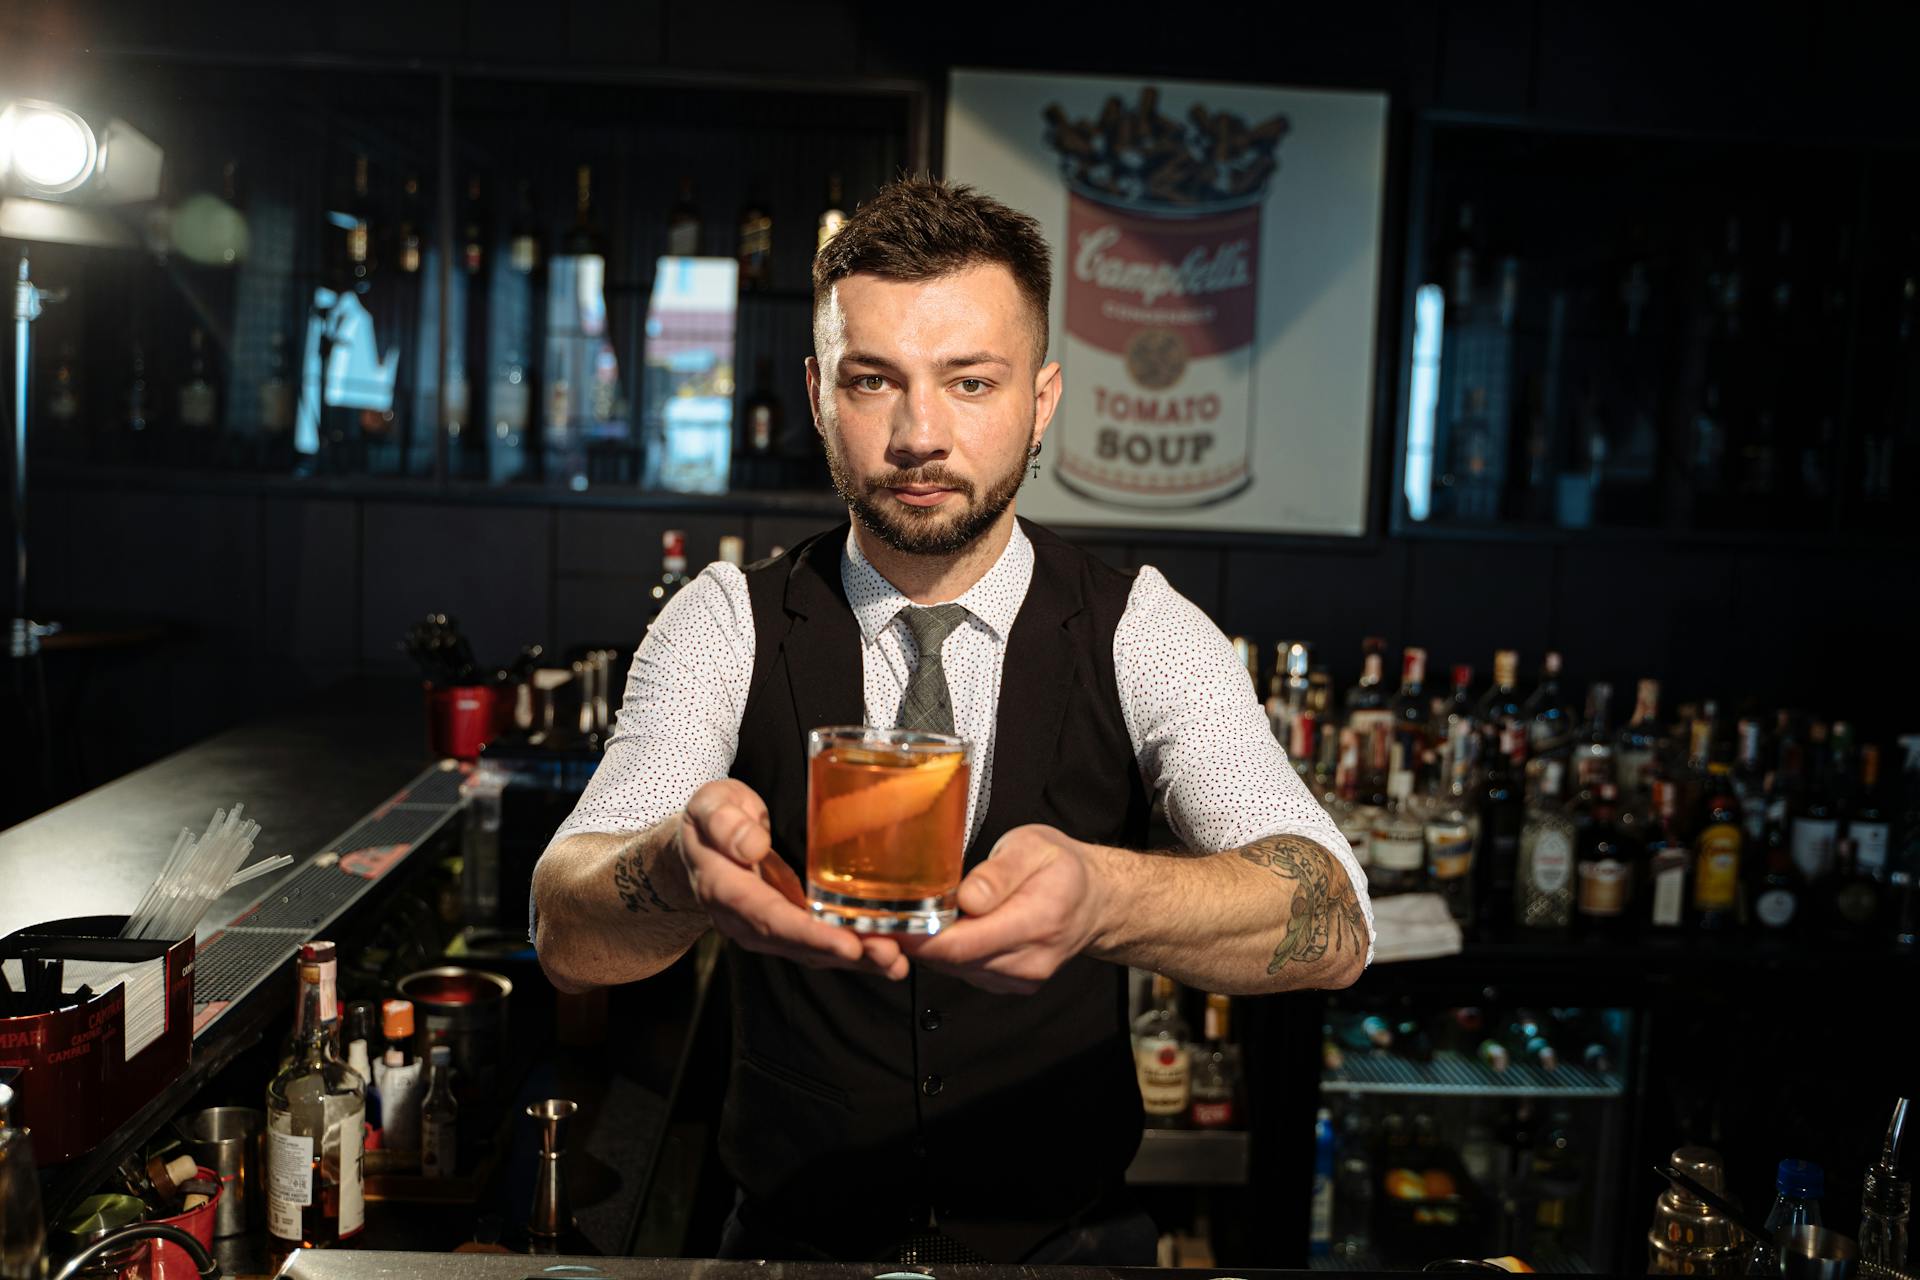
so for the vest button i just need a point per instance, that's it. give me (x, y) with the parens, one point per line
(932, 1085)
(930, 1020)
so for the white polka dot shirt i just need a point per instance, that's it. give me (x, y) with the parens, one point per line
(1199, 732)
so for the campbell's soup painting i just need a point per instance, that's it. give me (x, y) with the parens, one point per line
(1214, 372)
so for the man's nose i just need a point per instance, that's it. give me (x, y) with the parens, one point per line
(920, 430)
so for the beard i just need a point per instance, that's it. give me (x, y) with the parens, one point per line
(945, 530)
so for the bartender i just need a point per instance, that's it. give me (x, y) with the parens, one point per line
(969, 1096)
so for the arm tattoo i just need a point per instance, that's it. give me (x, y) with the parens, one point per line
(1326, 911)
(635, 886)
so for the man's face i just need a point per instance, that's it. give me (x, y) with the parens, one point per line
(928, 396)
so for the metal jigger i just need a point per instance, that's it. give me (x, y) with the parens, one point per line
(552, 1214)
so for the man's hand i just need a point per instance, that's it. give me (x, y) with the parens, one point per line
(724, 837)
(1034, 904)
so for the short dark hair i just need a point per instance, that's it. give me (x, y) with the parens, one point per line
(918, 228)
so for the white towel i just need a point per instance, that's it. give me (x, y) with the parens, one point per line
(1413, 926)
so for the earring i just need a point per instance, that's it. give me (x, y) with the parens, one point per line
(1033, 457)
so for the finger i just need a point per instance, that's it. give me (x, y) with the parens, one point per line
(728, 791)
(768, 916)
(995, 880)
(734, 832)
(881, 950)
(1019, 923)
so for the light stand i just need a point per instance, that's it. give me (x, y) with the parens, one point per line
(23, 634)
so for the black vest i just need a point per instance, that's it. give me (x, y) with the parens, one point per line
(856, 1105)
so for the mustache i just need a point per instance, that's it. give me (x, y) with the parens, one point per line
(933, 475)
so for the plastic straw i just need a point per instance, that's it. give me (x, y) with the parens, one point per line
(196, 873)
(259, 869)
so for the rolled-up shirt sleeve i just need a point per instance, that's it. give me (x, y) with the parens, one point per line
(679, 721)
(1202, 738)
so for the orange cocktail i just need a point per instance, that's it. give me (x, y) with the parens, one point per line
(886, 827)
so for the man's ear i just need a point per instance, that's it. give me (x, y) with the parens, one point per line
(1046, 398)
(813, 395)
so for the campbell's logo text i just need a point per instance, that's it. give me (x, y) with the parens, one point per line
(1199, 272)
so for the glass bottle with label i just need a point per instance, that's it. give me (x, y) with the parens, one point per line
(1452, 830)
(1549, 721)
(1502, 816)
(1816, 819)
(1369, 707)
(1605, 863)
(1716, 876)
(1668, 861)
(1216, 1071)
(1544, 889)
(1411, 713)
(756, 245)
(1398, 845)
(1162, 1058)
(1850, 900)
(1635, 750)
(440, 1119)
(1869, 823)
(1593, 752)
(1779, 891)
(316, 1108)
(1500, 705)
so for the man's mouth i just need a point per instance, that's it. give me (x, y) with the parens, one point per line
(922, 495)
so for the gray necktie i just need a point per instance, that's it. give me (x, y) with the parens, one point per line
(926, 706)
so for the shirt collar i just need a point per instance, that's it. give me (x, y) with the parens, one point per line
(995, 600)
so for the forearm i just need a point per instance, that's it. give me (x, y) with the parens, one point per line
(613, 908)
(1278, 914)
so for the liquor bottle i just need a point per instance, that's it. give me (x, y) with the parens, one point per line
(1162, 1059)
(1320, 1214)
(1455, 717)
(1247, 653)
(473, 233)
(733, 550)
(673, 572)
(1398, 845)
(1816, 819)
(1605, 863)
(756, 245)
(1451, 829)
(1716, 879)
(1500, 705)
(1549, 721)
(440, 1119)
(1544, 889)
(762, 411)
(523, 238)
(1637, 748)
(1216, 1071)
(277, 393)
(316, 1107)
(1502, 817)
(1593, 754)
(400, 1079)
(1798, 1185)
(1668, 861)
(1368, 704)
(1851, 902)
(199, 405)
(1779, 891)
(1869, 823)
(1750, 779)
(833, 217)
(359, 228)
(409, 239)
(1287, 692)
(1411, 714)
(683, 224)
(357, 1033)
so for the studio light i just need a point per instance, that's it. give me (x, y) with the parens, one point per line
(44, 149)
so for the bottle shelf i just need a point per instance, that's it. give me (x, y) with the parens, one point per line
(1451, 1075)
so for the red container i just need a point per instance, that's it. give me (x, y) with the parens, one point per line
(169, 1260)
(460, 720)
(75, 1083)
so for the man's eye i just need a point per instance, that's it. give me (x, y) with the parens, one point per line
(879, 383)
(972, 386)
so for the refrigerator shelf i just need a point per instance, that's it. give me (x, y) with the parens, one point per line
(1450, 1075)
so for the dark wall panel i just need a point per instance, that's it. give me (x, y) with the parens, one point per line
(488, 566)
(1332, 600)
(1467, 599)
(628, 542)
(1625, 613)
(310, 586)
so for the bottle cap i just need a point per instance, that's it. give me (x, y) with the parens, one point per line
(396, 1019)
(1801, 1179)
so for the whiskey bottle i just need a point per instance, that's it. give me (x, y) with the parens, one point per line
(1635, 751)
(1215, 1091)
(1162, 1058)
(1668, 862)
(1411, 713)
(1605, 865)
(1502, 818)
(1544, 892)
(1500, 705)
(316, 1107)
(1716, 877)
